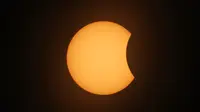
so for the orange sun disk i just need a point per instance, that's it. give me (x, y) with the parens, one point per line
(96, 58)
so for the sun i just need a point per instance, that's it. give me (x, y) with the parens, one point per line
(96, 58)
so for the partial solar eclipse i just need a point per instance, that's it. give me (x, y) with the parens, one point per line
(96, 58)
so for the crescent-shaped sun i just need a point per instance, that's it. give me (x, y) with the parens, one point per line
(96, 58)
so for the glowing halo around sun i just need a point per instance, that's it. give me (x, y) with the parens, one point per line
(96, 58)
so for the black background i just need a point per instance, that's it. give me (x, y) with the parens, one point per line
(37, 34)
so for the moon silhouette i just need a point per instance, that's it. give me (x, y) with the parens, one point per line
(96, 58)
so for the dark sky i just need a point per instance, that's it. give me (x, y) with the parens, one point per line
(38, 33)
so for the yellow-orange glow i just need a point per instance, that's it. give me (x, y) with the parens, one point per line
(96, 58)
